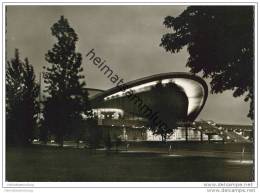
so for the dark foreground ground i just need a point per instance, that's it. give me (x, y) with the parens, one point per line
(51, 164)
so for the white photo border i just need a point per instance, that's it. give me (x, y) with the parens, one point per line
(189, 185)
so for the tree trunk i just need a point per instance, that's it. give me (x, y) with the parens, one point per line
(77, 143)
(61, 141)
(186, 134)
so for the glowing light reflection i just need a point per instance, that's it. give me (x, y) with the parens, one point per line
(193, 90)
(248, 162)
(108, 110)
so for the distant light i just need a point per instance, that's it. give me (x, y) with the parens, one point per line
(108, 110)
(246, 162)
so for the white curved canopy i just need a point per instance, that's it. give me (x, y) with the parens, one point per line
(193, 90)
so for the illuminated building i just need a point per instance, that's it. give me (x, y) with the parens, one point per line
(126, 110)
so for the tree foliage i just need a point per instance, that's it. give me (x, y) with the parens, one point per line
(94, 134)
(171, 108)
(219, 40)
(21, 101)
(66, 97)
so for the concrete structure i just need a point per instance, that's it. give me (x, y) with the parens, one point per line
(195, 91)
(127, 109)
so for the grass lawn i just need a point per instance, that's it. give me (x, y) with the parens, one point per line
(52, 164)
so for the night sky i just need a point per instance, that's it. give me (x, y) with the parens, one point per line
(127, 37)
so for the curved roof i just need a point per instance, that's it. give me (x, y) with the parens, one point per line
(93, 91)
(194, 87)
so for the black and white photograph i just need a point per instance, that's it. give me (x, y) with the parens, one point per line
(161, 94)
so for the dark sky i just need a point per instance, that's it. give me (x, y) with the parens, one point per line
(127, 37)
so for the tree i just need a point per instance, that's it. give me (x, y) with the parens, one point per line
(66, 97)
(108, 141)
(219, 40)
(118, 142)
(21, 101)
(171, 108)
(94, 134)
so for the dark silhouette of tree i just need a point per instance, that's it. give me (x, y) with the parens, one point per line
(49, 124)
(94, 134)
(118, 142)
(43, 132)
(172, 108)
(66, 98)
(219, 40)
(21, 101)
(108, 141)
